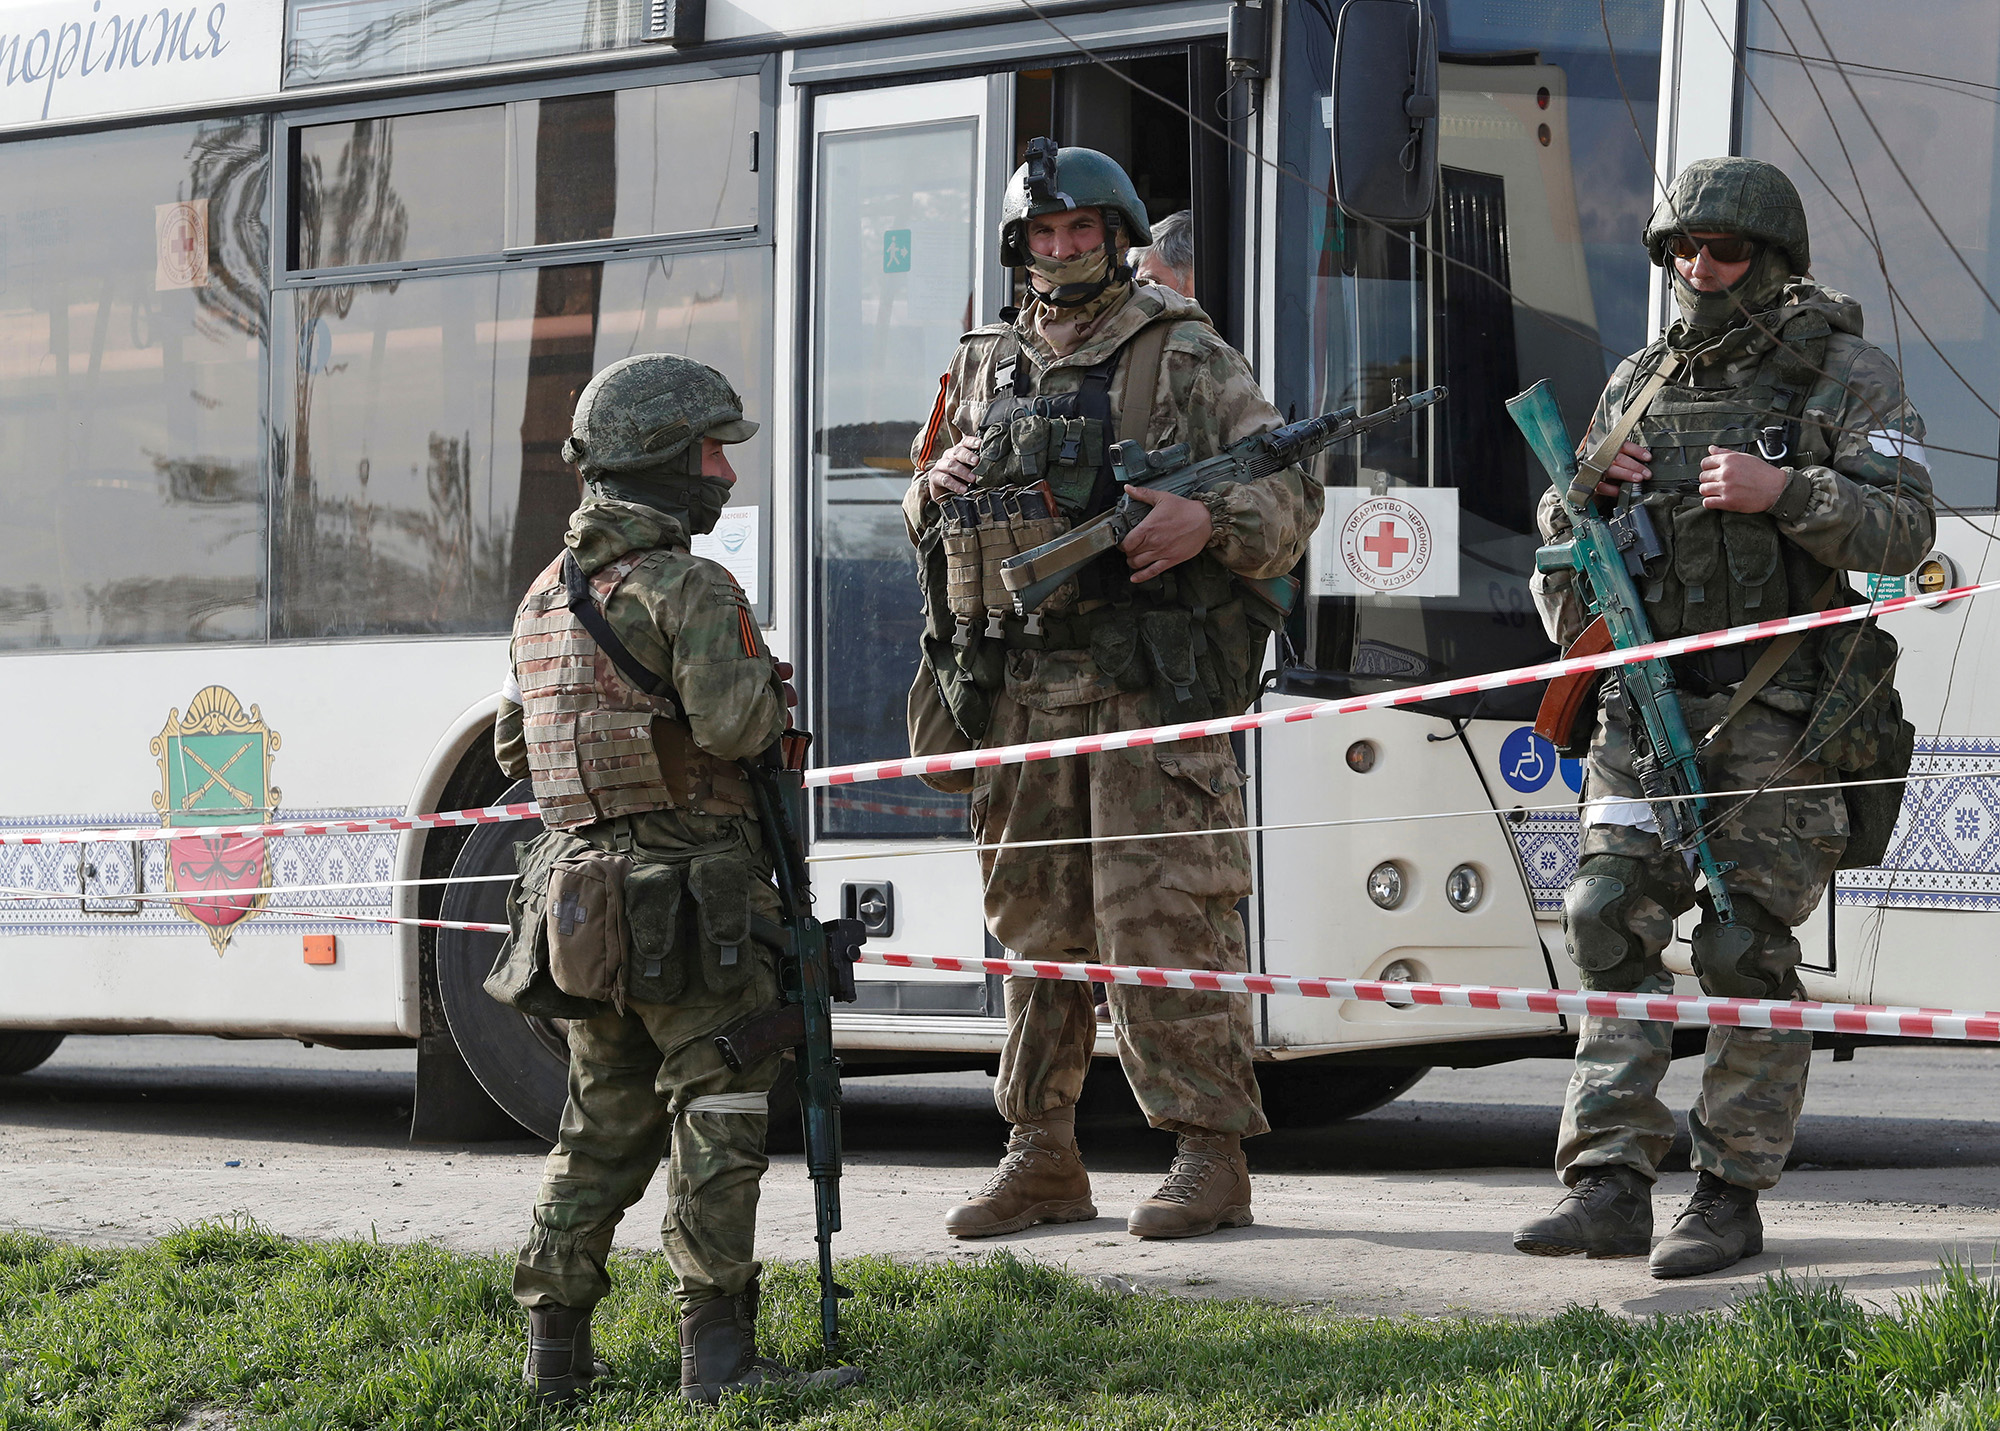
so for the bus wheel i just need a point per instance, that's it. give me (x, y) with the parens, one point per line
(1312, 1093)
(522, 1063)
(20, 1052)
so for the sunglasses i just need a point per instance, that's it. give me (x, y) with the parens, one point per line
(1730, 249)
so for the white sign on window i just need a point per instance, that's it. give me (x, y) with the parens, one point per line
(180, 244)
(72, 59)
(733, 544)
(1403, 542)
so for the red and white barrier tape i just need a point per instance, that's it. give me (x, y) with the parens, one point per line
(1409, 695)
(1084, 745)
(1695, 1009)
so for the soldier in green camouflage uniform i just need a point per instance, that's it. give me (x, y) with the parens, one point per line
(651, 778)
(1105, 663)
(1783, 454)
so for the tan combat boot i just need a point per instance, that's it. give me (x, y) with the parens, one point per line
(1207, 1187)
(1041, 1179)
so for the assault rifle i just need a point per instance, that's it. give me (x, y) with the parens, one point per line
(816, 971)
(1034, 576)
(1607, 554)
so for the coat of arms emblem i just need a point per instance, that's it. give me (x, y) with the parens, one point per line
(215, 769)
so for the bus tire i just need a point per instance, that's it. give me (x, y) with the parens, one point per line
(522, 1063)
(23, 1052)
(1313, 1093)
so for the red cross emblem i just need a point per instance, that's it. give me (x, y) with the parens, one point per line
(1385, 546)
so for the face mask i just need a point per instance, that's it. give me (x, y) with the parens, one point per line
(1071, 282)
(696, 501)
(1759, 288)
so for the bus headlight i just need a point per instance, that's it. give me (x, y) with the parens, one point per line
(1385, 884)
(1464, 888)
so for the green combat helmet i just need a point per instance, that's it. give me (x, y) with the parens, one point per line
(644, 412)
(1056, 180)
(638, 428)
(1736, 196)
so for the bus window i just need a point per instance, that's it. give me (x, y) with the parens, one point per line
(670, 159)
(1928, 91)
(353, 39)
(399, 188)
(132, 345)
(424, 486)
(1529, 268)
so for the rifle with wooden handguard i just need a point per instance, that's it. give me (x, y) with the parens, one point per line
(1607, 554)
(1034, 576)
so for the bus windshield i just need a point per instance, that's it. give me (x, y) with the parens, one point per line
(1530, 267)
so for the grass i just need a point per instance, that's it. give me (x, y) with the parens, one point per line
(229, 1325)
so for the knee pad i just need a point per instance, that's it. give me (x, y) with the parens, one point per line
(1755, 958)
(1596, 912)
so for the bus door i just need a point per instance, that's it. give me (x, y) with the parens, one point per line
(901, 187)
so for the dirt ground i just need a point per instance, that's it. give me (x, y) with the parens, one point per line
(1404, 1211)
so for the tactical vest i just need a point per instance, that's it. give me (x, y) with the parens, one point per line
(598, 746)
(1194, 634)
(1728, 568)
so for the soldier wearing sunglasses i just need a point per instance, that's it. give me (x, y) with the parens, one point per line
(1779, 453)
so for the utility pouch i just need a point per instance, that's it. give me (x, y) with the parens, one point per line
(933, 731)
(720, 885)
(959, 535)
(1114, 647)
(1756, 579)
(994, 449)
(520, 977)
(1034, 518)
(655, 965)
(1169, 640)
(1697, 556)
(1030, 437)
(586, 925)
(996, 544)
(1872, 810)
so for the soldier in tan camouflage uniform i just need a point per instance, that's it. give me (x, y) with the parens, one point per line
(1166, 633)
(1783, 454)
(652, 779)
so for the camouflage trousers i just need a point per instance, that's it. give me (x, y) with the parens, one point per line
(1164, 903)
(642, 1083)
(1786, 844)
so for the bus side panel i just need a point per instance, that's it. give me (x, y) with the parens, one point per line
(346, 729)
(1318, 917)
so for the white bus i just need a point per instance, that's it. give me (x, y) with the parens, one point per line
(296, 296)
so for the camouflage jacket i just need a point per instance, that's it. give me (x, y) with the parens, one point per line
(1859, 497)
(1206, 397)
(680, 615)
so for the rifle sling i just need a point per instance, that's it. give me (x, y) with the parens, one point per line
(1775, 655)
(585, 609)
(1591, 470)
(1142, 381)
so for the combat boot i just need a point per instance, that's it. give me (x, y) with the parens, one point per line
(1207, 1187)
(560, 1364)
(1041, 1179)
(1607, 1212)
(1720, 1228)
(719, 1354)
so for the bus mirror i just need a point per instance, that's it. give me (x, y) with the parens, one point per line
(1384, 111)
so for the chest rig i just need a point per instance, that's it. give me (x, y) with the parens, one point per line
(1726, 568)
(1190, 635)
(598, 746)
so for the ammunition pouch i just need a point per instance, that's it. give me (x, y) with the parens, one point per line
(585, 913)
(521, 976)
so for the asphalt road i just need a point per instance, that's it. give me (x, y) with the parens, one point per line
(1406, 1209)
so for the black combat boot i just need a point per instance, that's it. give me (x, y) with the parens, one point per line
(1608, 1212)
(560, 1365)
(1720, 1228)
(719, 1354)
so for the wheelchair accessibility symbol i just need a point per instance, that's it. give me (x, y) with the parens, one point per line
(1526, 760)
